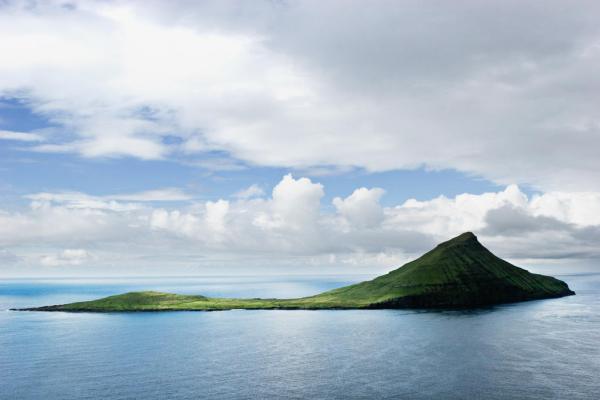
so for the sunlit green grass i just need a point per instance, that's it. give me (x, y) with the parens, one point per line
(457, 273)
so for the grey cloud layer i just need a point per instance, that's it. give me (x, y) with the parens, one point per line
(523, 235)
(504, 90)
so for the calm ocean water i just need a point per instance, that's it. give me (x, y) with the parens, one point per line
(537, 350)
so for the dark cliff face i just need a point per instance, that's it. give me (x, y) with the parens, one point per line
(458, 273)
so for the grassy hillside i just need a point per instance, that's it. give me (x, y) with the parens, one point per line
(457, 273)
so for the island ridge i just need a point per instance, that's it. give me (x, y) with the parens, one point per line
(459, 273)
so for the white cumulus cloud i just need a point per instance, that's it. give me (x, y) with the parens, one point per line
(293, 227)
(361, 208)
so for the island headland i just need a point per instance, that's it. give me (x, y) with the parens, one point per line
(459, 273)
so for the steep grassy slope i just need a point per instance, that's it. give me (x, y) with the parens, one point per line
(457, 273)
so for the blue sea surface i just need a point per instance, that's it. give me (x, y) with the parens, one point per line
(546, 349)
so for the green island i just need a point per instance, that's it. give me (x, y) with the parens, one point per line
(459, 273)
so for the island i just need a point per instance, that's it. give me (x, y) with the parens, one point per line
(459, 273)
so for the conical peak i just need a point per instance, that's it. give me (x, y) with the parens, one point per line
(463, 237)
(466, 238)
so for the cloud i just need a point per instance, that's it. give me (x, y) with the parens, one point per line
(217, 164)
(66, 257)
(292, 227)
(581, 208)
(296, 203)
(361, 208)
(522, 235)
(8, 257)
(251, 191)
(47, 224)
(166, 194)
(109, 202)
(400, 85)
(216, 215)
(451, 216)
(509, 220)
(287, 222)
(20, 136)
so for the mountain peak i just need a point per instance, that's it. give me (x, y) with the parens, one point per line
(465, 238)
(460, 272)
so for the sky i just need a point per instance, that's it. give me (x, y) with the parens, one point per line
(279, 137)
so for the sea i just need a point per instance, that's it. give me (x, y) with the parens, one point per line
(546, 349)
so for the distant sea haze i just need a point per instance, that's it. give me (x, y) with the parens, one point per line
(545, 349)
